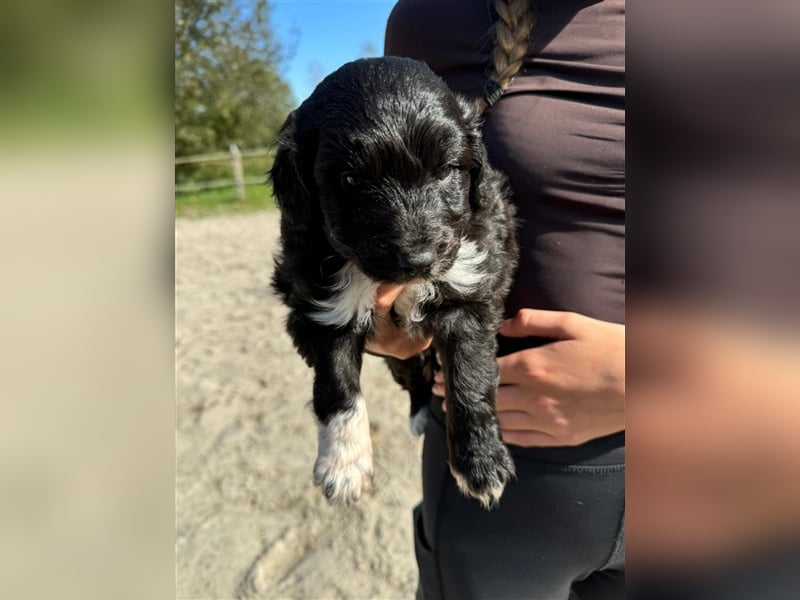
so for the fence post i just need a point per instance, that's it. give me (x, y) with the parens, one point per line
(238, 171)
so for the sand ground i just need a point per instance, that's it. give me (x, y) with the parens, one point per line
(250, 523)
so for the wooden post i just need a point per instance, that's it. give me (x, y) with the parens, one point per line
(238, 171)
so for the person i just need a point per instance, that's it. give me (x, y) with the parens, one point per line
(550, 76)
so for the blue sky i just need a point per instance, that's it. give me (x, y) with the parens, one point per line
(325, 34)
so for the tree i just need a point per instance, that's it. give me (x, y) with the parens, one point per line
(227, 83)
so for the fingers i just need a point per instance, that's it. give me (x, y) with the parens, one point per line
(544, 412)
(527, 439)
(512, 398)
(438, 384)
(545, 323)
(527, 367)
(507, 398)
(514, 420)
(387, 338)
(512, 369)
(391, 341)
(523, 421)
(517, 400)
(386, 295)
(541, 424)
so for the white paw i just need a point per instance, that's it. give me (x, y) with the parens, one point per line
(484, 471)
(419, 421)
(489, 497)
(343, 482)
(343, 468)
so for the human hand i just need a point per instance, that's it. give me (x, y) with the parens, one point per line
(388, 339)
(566, 392)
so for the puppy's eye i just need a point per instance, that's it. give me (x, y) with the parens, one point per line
(445, 171)
(350, 179)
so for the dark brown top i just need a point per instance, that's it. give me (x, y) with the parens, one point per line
(558, 133)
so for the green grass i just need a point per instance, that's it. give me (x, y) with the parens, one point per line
(223, 201)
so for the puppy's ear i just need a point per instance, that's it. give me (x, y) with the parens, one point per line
(291, 182)
(480, 187)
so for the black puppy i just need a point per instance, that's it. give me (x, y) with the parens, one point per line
(381, 177)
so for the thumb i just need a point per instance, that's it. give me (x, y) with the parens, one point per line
(386, 295)
(527, 322)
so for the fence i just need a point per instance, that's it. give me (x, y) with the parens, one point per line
(235, 157)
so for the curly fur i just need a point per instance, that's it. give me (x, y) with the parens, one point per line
(381, 177)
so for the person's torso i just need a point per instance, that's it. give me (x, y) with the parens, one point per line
(558, 133)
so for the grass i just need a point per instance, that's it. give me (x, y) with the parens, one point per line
(223, 201)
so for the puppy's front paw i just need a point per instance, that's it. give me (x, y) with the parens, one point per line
(481, 467)
(343, 468)
(343, 478)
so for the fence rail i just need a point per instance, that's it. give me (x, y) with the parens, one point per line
(220, 156)
(186, 188)
(235, 157)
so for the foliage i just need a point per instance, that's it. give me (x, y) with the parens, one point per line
(227, 82)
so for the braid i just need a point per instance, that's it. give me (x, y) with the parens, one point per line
(511, 34)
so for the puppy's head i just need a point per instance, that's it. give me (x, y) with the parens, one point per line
(389, 163)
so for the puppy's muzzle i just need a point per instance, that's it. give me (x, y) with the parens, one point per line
(415, 263)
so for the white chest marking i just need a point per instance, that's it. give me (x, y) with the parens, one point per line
(353, 298)
(411, 300)
(466, 273)
(353, 294)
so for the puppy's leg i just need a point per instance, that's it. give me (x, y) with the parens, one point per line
(415, 375)
(479, 461)
(343, 468)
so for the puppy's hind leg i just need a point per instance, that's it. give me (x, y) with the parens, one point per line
(415, 375)
(343, 468)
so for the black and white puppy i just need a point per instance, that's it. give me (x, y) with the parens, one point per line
(381, 177)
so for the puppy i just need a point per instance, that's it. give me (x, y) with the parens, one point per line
(381, 177)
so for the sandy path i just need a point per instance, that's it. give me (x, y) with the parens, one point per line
(250, 523)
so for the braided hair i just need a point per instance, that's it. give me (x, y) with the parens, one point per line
(511, 36)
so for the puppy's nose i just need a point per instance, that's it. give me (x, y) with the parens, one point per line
(414, 261)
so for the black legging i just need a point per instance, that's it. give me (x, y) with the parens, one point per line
(559, 526)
